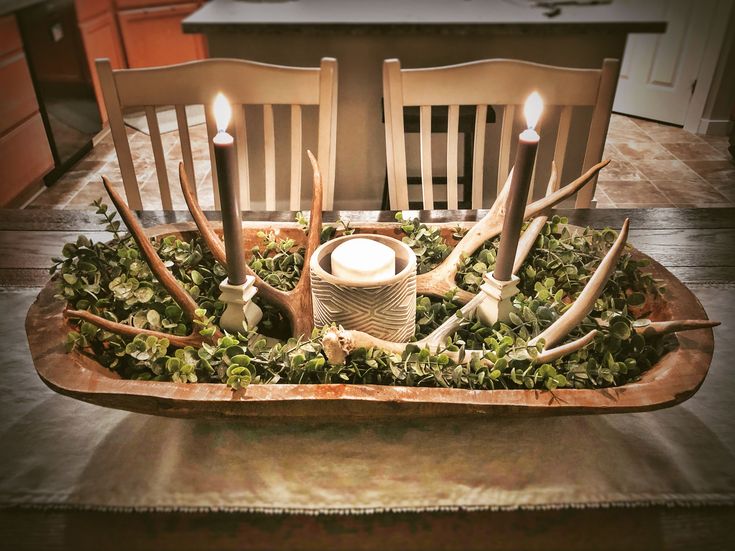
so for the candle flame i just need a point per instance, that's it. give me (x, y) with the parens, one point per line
(533, 108)
(222, 112)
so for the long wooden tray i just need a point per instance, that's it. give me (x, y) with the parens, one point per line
(676, 377)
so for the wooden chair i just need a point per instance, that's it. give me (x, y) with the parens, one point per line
(496, 83)
(243, 83)
(439, 123)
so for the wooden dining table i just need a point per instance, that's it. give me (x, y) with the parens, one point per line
(696, 245)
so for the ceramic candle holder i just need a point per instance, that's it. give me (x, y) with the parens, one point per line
(386, 309)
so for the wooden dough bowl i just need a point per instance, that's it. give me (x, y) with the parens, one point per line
(675, 378)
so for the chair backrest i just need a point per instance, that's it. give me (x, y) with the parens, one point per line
(244, 83)
(494, 83)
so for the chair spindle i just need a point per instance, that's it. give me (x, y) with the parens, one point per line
(426, 175)
(155, 136)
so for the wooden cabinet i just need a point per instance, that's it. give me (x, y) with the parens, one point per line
(101, 39)
(25, 155)
(17, 96)
(153, 35)
(25, 158)
(135, 33)
(87, 9)
(134, 4)
(9, 36)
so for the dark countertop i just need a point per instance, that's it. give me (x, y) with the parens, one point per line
(10, 6)
(509, 16)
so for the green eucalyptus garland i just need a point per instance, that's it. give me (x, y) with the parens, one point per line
(112, 280)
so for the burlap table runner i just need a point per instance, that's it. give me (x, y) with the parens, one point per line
(59, 452)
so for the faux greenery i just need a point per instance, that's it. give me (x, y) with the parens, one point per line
(112, 280)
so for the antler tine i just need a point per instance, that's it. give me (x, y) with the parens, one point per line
(315, 218)
(657, 328)
(554, 179)
(297, 303)
(164, 276)
(565, 192)
(337, 344)
(211, 239)
(497, 210)
(528, 238)
(213, 243)
(654, 329)
(176, 341)
(475, 237)
(452, 323)
(586, 300)
(440, 280)
(565, 349)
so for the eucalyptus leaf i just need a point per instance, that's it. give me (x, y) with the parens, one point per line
(114, 281)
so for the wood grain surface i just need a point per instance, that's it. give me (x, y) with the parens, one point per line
(694, 244)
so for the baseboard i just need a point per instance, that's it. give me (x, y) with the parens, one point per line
(714, 127)
(101, 135)
(27, 196)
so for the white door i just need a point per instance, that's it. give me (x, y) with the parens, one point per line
(659, 71)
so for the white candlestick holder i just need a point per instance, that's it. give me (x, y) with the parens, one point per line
(241, 313)
(499, 302)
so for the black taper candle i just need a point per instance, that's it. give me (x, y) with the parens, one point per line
(515, 205)
(229, 196)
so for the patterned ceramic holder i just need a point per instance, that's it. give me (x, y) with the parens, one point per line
(386, 309)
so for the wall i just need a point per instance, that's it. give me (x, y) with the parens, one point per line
(720, 106)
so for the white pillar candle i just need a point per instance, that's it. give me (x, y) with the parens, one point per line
(362, 260)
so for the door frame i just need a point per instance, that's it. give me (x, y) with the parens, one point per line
(712, 58)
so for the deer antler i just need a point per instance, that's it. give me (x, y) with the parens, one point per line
(654, 329)
(211, 239)
(176, 341)
(296, 303)
(657, 328)
(586, 300)
(338, 342)
(159, 270)
(528, 237)
(560, 351)
(440, 280)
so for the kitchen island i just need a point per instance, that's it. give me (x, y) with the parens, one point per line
(421, 33)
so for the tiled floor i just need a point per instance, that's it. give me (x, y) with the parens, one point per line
(653, 165)
(83, 183)
(656, 165)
